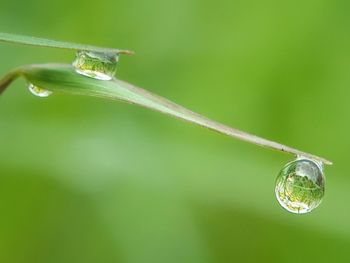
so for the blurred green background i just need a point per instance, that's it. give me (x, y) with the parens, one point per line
(87, 180)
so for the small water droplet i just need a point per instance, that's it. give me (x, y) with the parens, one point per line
(300, 185)
(43, 93)
(97, 65)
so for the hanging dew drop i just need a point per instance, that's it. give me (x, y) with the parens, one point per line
(96, 65)
(39, 92)
(300, 185)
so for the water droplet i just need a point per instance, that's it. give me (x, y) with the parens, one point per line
(43, 93)
(96, 65)
(300, 185)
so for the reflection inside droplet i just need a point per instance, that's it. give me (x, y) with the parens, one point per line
(39, 92)
(96, 65)
(300, 185)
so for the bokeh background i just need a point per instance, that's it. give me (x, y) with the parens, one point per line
(88, 180)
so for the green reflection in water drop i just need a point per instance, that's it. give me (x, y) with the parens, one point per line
(300, 186)
(39, 92)
(96, 65)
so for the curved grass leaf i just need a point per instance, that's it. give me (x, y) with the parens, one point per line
(62, 78)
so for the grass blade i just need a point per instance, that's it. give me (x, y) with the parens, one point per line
(42, 42)
(63, 78)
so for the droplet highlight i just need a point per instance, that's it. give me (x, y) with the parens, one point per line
(39, 92)
(96, 65)
(300, 186)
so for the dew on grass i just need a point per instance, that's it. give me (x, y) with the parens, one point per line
(300, 185)
(39, 92)
(97, 65)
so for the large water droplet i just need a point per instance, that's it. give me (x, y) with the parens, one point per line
(300, 186)
(96, 65)
(43, 93)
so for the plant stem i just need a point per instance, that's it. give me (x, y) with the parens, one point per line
(8, 79)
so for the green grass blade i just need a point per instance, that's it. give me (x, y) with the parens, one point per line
(41, 42)
(62, 78)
